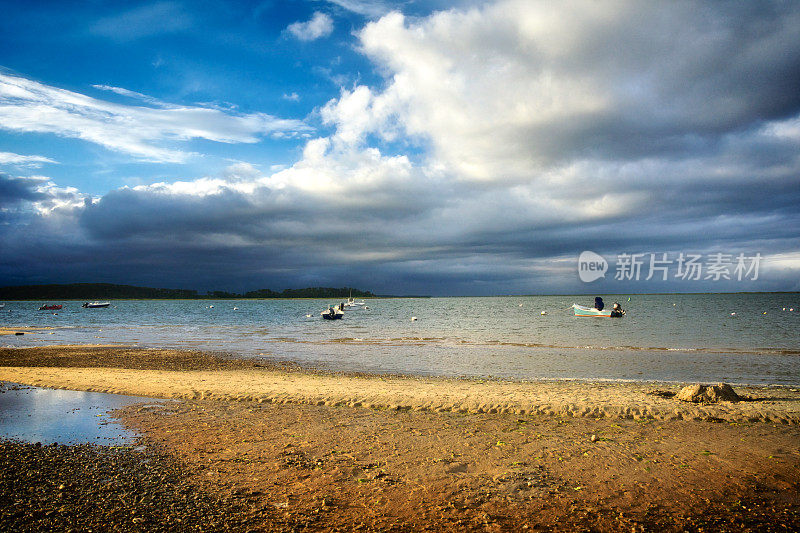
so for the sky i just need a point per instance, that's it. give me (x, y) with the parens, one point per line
(414, 147)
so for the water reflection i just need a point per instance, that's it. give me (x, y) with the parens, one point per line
(49, 416)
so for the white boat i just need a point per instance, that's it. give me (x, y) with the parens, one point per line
(354, 304)
(2, 306)
(580, 310)
(95, 305)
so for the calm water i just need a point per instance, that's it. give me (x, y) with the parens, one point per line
(662, 338)
(34, 414)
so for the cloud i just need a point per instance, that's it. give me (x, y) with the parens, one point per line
(32, 161)
(14, 190)
(320, 25)
(142, 132)
(133, 95)
(35, 194)
(504, 91)
(504, 139)
(367, 8)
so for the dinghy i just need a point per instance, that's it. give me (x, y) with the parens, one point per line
(332, 313)
(591, 311)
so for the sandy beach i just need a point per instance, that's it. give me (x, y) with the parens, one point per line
(299, 449)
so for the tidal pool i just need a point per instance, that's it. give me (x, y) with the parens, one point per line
(34, 414)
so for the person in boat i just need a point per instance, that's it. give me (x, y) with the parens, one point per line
(598, 303)
(617, 310)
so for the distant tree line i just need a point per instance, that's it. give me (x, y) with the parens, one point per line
(109, 291)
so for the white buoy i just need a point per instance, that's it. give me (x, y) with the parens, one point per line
(413, 318)
(308, 315)
(791, 309)
(520, 305)
(784, 309)
(733, 314)
(235, 308)
(211, 307)
(543, 313)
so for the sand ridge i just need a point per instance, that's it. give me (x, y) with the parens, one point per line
(568, 398)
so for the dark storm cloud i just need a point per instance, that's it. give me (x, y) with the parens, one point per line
(680, 76)
(14, 190)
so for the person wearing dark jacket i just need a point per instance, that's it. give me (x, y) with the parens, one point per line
(598, 303)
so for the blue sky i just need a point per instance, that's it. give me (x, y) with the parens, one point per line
(402, 147)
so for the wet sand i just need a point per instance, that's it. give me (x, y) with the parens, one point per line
(303, 450)
(198, 375)
(25, 330)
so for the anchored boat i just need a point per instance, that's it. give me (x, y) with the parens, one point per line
(333, 313)
(615, 312)
(95, 305)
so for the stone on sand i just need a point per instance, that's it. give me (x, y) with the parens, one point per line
(698, 393)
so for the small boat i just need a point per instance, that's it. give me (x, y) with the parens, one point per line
(2, 306)
(95, 305)
(332, 313)
(591, 311)
(50, 307)
(352, 303)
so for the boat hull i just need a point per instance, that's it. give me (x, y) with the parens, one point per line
(50, 307)
(580, 310)
(96, 305)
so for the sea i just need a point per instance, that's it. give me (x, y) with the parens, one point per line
(745, 339)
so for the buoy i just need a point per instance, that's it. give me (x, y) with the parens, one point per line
(520, 305)
(235, 308)
(733, 314)
(765, 312)
(784, 309)
(543, 313)
(413, 318)
(791, 309)
(308, 316)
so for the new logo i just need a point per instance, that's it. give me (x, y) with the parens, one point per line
(591, 266)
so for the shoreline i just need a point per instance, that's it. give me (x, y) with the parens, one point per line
(287, 463)
(191, 375)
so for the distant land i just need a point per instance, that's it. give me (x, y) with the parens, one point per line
(107, 291)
